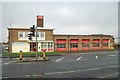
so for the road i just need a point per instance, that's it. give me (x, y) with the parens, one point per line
(70, 65)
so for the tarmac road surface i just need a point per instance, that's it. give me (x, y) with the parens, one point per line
(71, 65)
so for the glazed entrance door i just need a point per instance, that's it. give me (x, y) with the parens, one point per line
(33, 47)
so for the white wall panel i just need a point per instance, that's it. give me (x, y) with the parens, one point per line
(20, 46)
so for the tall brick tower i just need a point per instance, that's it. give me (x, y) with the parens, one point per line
(40, 21)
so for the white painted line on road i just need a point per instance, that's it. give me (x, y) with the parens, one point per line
(96, 57)
(115, 66)
(9, 62)
(4, 77)
(110, 75)
(51, 73)
(70, 60)
(94, 69)
(112, 55)
(24, 63)
(59, 59)
(34, 75)
(79, 58)
(27, 75)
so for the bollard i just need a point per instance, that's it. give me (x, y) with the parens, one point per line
(20, 55)
(44, 55)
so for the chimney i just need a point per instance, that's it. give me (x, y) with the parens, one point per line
(40, 21)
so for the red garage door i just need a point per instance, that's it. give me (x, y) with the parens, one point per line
(61, 44)
(105, 44)
(74, 45)
(85, 44)
(96, 44)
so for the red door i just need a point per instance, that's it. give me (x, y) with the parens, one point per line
(96, 44)
(105, 44)
(74, 45)
(61, 44)
(33, 47)
(85, 44)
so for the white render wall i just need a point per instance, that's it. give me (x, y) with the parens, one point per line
(39, 47)
(20, 46)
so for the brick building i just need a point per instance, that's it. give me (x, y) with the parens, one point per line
(83, 42)
(18, 40)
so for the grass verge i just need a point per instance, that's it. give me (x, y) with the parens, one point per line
(29, 54)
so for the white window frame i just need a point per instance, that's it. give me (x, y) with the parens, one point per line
(34, 38)
(40, 37)
(24, 35)
(19, 33)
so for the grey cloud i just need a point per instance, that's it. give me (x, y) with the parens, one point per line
(65, 17)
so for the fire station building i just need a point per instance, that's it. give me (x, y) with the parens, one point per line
(83, 42)
(18, 40)
(46, 40)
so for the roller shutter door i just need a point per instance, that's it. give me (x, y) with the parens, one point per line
(61, 44)
(105, 44)
(96, 44)
(74, 45)
(85, 44)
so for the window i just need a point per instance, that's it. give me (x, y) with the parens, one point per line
(95, 44)
(51, 46)
(73, 45)
(38, 34)
(85, 44)
(105, 44)
(43, 45)
(26, 34)
(61, 45)
(21, 34)
(42, 34)
(48, 46)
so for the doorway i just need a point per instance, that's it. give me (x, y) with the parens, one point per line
(33, 46)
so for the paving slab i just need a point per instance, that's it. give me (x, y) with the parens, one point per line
(34, 59)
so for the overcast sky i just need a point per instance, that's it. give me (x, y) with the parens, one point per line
(65, 17)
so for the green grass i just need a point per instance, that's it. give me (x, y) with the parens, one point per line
(30, 54)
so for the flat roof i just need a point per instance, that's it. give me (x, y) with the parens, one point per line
(29, 28)
(81, 35)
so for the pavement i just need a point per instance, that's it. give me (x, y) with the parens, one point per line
(29, 56)
(34, 59)
(73, 65)
(80, 52)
